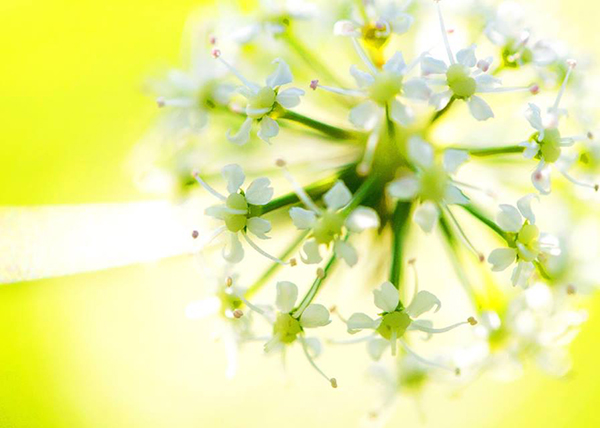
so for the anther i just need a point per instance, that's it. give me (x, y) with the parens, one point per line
(195, 234)
(333, 382)
(314, 84)
(472, 321)
(590, 135)
(333, 309)
(412, 261)
(457, 371)
(596, 187)
(320, 273)
(238, 314)
(483, 65)
(229, 281)
(534, 89)
(212, 40)
(571, 290)
(572, 63)
(280, 163)
(161, 102)
(293, 262)
(216, 53)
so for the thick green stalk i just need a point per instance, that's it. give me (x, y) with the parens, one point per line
(329, 130)
(476, 212)
(359, 196)
(493, 151)
(400, 222)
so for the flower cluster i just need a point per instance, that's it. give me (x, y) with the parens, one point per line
(352, 168)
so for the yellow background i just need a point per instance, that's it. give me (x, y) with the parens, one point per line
(113, 349)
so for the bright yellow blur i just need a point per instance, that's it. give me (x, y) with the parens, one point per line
(113, 349)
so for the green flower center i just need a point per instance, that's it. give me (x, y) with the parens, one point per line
(434, 182)
(373, 35)
(460, 81)
(262, 101)
(550, 145)
(392, 322)
(229, 301)
(236, 222)
(385, 87)
(328, 226)
(286, 328)
(528, 237)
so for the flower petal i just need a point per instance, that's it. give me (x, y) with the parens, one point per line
(216, 211)
(501, 258)
(467, 57)
(401, 23)
(479, 109)
(395, 64)
(524, 205)
(486, 82)
(281, 76)
(362, 218)
(405, 188)
(427, 216)
(359, 321)
(401, 114)
(416, 89)
(540, 178)
(365, 115)
(234, 175)
(509, 218)
(303, 219)
(522, 273)
(289, 98)
(455, 196)
(311, 252)
(346, 28)
(346, 252)
(453, 159)
(243, 135)
(233, 251)
(431, 65)
(315, 315)
(532, 148)
(534, 117)
(268, 129)
(338, 196)
(420, 152)
(423, 302)
(387, 297)
(549, 244)
(259, 226)
(259, 192)
(376, 347)
(362, 78)
(440, 101)
(287, 294)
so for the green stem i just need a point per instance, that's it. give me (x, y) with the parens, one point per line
(493, 151)
(400, 222)
(476, 212)
(443, 111)
(260, 282)
(314, 289)
(359, 196)
(329, 130)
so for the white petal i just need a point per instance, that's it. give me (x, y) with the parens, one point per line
(534, 116)
(549, 244)
(524, 205)
(467, 56)
(401, 114)
(401, 23)
(423, 302)
(522, 273)
(362, 78)
(311, 252)
(234, 175)
(243, 135)
(395, 64)
(454, 195)
(540, 178)
(405, 188)
(268, 129)
(479, 109)
(387, 297)
(376, 347)
(501, 258)
(315, 315)
(509, 219)
(259, 226)
(360, 321)
(314, 345)
(347, 29)
(453, 159)
(362, 218)
(287, 293)
(233, 251)
(440, 101)
(416, 89)
(259, 192)
(203, 308)
(281, 76)
(303, 219)
(346, 252)
(431, 65)
(289, 98)
(216, 211)
(427, 216)
(420, 152)
(365, 115)
(338, 196)
(486, 82)
(532, 148)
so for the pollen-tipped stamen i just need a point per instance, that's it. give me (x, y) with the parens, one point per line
(233, 70)
(444, 33)
(204, 184)
(263, 252)
(464, 236)
(571, 65)
(310, 359)
(298, 189)
(363, 56)
(425, 360)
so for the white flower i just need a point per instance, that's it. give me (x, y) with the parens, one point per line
(547, 143)
(395, 320)
(526, 244)
(383, 17)
(238, 211)
(328, 225)
(431, 183)
(262, 100)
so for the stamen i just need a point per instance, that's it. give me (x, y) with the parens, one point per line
(298, 189)
(445, 34)
(462, 233)
(271, 344)
(363, 56)
(238, 314)
(533, 89)
(263, 252)
(424, 360)
(331, 380)
(595, 187)
(340, 91)
(229, 281)
(216, 53)
(571, 290)
(213, 236)
(432, 330)
(212, 191)
(472, 321)
(195, 234)
(572, 64)
(314, 84)
(486, 192)
(174, 102)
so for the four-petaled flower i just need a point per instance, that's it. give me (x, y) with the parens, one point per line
(526, 244)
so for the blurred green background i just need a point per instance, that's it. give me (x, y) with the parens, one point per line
(113, 348)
